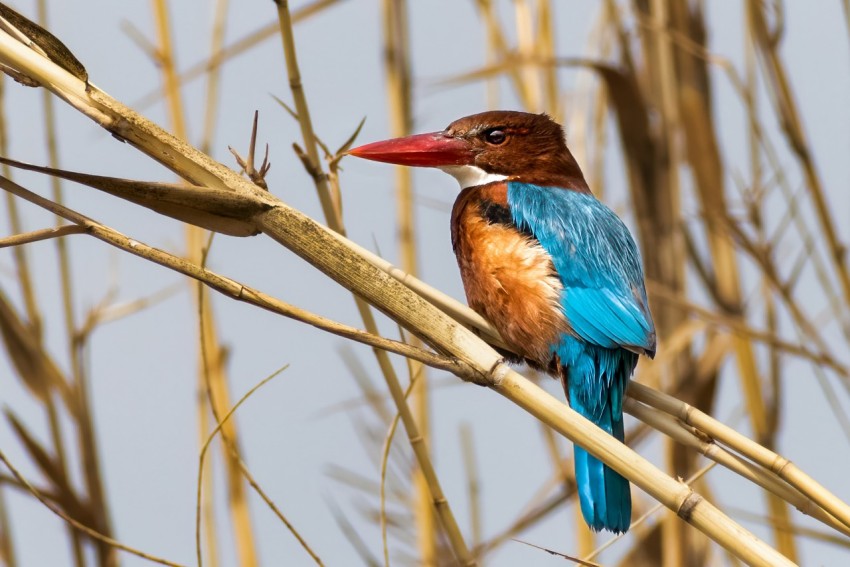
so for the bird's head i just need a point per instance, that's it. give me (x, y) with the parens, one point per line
(492, 146)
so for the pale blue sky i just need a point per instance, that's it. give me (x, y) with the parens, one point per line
(143, 368)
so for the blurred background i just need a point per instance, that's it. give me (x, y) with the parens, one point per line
(717, 130)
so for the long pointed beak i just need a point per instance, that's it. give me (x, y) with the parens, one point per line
(423, 150)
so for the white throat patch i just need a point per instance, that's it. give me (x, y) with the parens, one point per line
(471, 175)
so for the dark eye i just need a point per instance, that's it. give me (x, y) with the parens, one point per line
(495, 136)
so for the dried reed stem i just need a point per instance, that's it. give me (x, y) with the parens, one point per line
(210, 350)
(107, 541)
(93, 479)
(398, 81)
(227, 286)
(671, 427)
(334, 218)
(782, 467)
(252, 482)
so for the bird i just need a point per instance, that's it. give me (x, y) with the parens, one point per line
(555, 271)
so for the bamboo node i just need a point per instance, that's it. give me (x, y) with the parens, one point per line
(685, 413)
(702, 435)
(779, 464)
(687, 506)
(498, 372)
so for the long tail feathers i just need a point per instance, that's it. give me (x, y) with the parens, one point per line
(595, 379)
(606, 502)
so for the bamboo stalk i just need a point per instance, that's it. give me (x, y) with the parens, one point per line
(211, 371)
(398, 78)
(109, 542)
(770, 482)
(227, 286)
(333, 217)
(66, 286)
(782, 467)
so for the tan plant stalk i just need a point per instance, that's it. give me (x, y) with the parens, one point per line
(42, 234)
(526, 41)
(496, 38)
(7, 544)
(211, 370)
(21, 261)
(473, 483)
(93, 479)
(782, 467)
(703, 154)
(677, 545)
(385, 457)
(238, 47)
(214, 75)
(227, 286)
(645, 516)
(107, 541)
(218, 428)
(398, 79)
(210, 121)
(766, 479)
(333, 217)
(783, 98)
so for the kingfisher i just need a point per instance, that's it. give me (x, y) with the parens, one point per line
(553, 269)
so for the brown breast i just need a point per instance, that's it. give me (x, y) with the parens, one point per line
(509, 279)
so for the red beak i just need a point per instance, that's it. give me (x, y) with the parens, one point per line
(423, 150)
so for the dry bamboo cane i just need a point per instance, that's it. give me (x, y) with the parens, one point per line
(673, 428)
(328, 253)
(426, 479)
(782, 467)
(212, 376)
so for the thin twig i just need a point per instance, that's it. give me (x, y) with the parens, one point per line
(94, 534)
(226, 285)
(43, 234)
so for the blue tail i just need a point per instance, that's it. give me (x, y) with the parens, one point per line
(606, 503)
(596, 381)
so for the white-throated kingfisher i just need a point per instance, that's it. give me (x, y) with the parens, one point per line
(554, 270)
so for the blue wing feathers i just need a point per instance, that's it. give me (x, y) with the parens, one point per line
(597, 260)
(605, 304)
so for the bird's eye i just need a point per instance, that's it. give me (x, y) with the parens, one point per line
(496, 136)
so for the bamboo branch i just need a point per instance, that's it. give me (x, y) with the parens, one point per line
(224, 285)
(43, 234)
(782, 467)
(94, 534)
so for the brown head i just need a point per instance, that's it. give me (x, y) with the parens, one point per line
(490, 146)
